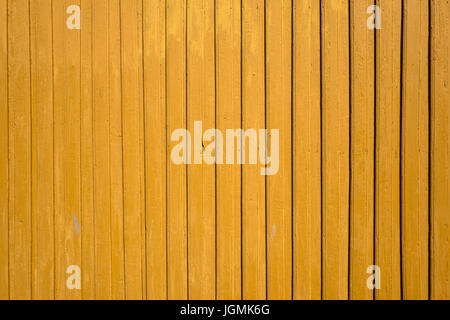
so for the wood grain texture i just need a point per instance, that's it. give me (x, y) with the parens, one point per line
(387, 180)
(335, 148)
(362, 48)
(415, 151)
(306, 151)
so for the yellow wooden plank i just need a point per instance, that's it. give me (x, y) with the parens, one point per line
(176, 174)
(201, 176)
(4, 167)
(387, 180)
(42, 150)
(228, 77)
(155, 143)
(253, 183)
(101, 150)
(335, 147)
(87, 169)
(306, 151)
(19, 149)
(362, 149)
(67, 160)
(115, 140)
(279, 184)
(440, 152)
(132, 123)
(415, 151)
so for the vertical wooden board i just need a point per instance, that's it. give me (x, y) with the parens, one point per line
(306, 151)
(201, 176)
(131, 105)
(155, 144)
(335, 147)
(87, 170)
(440, 152)
(42, 150)
(279, 182)
(19, 149)
(67, 116)
(387, 180)
(177, 285)
(4, 154)
(362, 149)
(253, 183)
(101, 151)
(415, 151)
(228, 117)
(115, 140)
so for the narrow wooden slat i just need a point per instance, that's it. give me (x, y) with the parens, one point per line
(387, 180)
(66, 82)
(228, 77)
(201, 177)
(19, 149)
(335, 147)
(87, 169)
(176, 174)
(415, 151)
(279, 183)
(42, 150)
(132, 125)
(440, 152)
(253, 183)
(101, 148)
(4, 152)
(362, 149)
(115, 140)
(306, 151)
(155, 144)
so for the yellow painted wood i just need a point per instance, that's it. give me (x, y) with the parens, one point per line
(87, 170)
(306, 151)
(116, 155)
(176, 174)
(4, 154)
(387, 180)
(278, 112)
(335, 148)
(201, 177)
(132, 163)
(253, 183)
(362, 149)
(67, 161)
(101, 149)
(228, 77)
(19, 93)
(440, 134)
(42, 151)
(415, 151)
(155, 144)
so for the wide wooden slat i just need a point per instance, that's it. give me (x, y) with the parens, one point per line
(176, 174)
(362, 48)
(4, 154)
(387, 180)
(335, 148)
(440, 151)
(201, 176)
(415, 151)
(279, 183)
(306, 151)
(42, 151)
(19, 102)
(155, 147)
(228, 117)
(253, 183)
